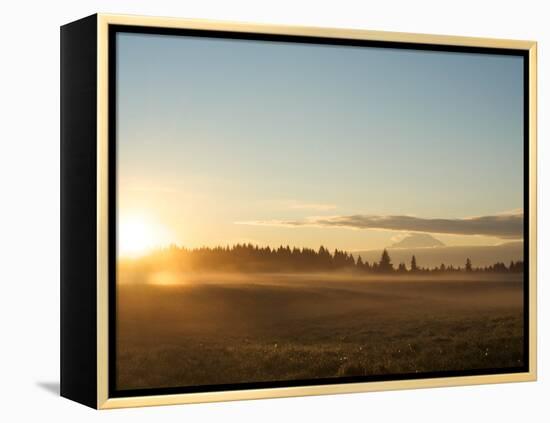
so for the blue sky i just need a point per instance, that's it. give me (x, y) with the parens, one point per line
(213, 133)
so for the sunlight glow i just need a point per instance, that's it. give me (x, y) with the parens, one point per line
(137, 235)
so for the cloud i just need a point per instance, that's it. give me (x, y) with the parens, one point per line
(506, 226)
(312, 206)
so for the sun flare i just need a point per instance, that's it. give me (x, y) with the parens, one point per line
(137, 235)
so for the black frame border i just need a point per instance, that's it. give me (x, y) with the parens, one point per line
(113, 392)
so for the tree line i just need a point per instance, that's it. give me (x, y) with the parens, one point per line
(253, 258)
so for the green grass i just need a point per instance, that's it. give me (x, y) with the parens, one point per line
(213, 330)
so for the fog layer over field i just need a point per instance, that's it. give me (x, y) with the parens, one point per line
(187, 329)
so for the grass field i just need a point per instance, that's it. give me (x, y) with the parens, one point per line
(185, 330)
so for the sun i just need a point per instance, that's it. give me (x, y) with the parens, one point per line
(137, 235)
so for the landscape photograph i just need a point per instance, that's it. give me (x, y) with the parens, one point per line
(292, 212)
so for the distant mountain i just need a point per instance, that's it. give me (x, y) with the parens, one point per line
(456, 255)
(418, 241)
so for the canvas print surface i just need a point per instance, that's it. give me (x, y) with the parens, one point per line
(294, 212)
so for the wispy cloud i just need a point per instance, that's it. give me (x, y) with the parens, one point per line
(506, 226)
(297, 205)
(312, 206)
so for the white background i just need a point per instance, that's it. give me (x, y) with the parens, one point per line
(29, 235)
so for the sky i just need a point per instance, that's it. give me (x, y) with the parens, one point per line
(228, 141)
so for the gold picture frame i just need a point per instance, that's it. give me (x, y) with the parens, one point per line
(96, 34)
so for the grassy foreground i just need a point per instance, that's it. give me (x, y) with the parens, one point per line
(182, 330)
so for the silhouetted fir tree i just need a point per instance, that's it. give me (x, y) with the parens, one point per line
(340, 259)
(325, 258)
(468, 266)
(497, 268)
(385, 266)
(414, 267)
(402, 268)
(516, 267)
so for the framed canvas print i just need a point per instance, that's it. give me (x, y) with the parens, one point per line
(254, 211)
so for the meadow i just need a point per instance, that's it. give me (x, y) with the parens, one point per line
(203, 329)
